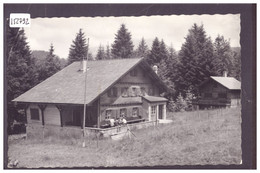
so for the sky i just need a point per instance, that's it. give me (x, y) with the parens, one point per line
(101, 30)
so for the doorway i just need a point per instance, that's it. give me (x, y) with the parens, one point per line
(160, 116)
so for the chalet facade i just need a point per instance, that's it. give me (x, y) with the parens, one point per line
(126, 88)
(219, 92)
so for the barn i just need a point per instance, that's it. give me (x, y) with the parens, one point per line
(219, 92)
(109, 89)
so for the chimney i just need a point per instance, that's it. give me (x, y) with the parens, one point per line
(155, 69)
(224, 73)
(84, 68)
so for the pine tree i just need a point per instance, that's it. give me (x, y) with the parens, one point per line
(180, 104)
(154, 55)
(20, 71)
(101, 53)
(195, 60)
(50, 66)
(223, 57)
(189, 98)
(108, 54)
(236, 70)
(163, 54)
(78, 49)
(123, 45)
(142, 50)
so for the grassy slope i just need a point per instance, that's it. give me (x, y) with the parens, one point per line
(206, 137)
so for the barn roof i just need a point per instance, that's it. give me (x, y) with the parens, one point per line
(228, 82)
(67, 85)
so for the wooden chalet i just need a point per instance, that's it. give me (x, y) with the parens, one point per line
(219, 92)
(114, 88)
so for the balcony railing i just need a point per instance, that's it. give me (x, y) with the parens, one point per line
(212, 101)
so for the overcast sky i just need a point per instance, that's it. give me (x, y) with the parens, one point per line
(101, 30)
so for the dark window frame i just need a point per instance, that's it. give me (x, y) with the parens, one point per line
(124, 92)
(135, 112)
(121, 111)
(112, 92)
(33, 116)
(134, 91)
(108, 114)
(143, 91)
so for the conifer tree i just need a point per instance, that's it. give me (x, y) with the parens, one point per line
(20, 70)
(123, 45)
(142, 50)
(108, 54)
(50, 66)
(101, 53)
(195, 60)
(154, 55)
(78, 49)
(180, 104)
(223, 57)
(236, 69)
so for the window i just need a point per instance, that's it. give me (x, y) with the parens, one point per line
(135, 112)
(108, 114)
(123, 112)
(124, 92)
(222, 95)
(112, 92)
(208, 95)
(134, 90)
(133, 72)
(143, 91)
(151, 92)
(153, 110)
(35, 114)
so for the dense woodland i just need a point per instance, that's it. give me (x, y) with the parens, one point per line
(200, 57)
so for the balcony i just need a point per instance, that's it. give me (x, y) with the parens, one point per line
(212, 101)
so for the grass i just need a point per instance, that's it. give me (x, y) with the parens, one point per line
(194, 138)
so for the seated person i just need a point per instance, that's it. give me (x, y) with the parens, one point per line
(111, 122)
(124, 120)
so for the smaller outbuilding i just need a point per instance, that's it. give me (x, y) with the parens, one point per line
(217, 92)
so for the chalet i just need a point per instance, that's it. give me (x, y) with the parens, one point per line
(110, 89)
(219, 92)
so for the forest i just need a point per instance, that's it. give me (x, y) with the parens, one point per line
(182, 71)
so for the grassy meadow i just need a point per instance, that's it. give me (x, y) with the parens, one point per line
(209, 137)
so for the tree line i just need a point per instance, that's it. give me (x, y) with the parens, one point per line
(182, 71)
(198, 59)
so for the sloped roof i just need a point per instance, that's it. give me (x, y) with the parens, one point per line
(228, 82)
(155, 99)
(67, 86)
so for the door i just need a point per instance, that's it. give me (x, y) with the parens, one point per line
(91, 116)
(77, 117)
(160, 112)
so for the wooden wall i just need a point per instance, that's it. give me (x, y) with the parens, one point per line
(212, 87)
(51, 115)
(128, 81)
(141, 80)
